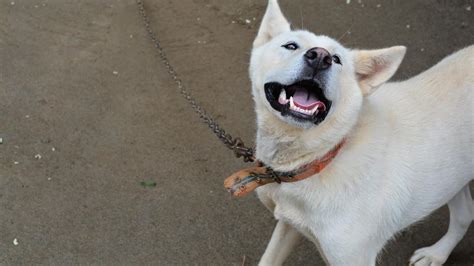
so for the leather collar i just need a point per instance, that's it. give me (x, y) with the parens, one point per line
(244, 181)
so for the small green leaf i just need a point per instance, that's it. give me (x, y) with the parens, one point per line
(148, 184)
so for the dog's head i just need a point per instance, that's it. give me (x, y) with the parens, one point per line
(306, 80)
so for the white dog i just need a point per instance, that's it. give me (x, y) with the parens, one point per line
(408, 146)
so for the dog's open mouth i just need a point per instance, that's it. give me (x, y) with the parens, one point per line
(303, 100)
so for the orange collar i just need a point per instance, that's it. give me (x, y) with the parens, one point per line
(244, 181)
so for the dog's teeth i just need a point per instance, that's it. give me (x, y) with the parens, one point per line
(301, 110)
(282, 99)
(298, 109)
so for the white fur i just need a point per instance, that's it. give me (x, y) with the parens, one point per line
(409, 149)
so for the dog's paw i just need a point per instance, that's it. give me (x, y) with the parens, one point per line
(428, 256)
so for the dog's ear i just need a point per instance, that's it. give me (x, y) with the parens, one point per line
(273, 24)
(374, 67)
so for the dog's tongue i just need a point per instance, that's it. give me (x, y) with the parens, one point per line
(304, 99)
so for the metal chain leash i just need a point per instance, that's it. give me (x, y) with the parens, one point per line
(235, 144)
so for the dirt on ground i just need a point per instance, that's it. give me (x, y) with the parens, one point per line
(103, 162)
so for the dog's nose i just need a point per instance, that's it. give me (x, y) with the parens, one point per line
(318, 58)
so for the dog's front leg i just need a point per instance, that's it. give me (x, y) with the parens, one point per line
(342, 248)
(284, 238)
(361, 260)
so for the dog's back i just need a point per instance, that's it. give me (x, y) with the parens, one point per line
(448, 84)
(431, 120)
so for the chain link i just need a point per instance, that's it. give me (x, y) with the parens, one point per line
(235, 144)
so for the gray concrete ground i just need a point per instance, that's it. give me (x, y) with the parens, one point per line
(81, 86)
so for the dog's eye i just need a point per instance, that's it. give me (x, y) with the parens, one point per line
(336, 59)
(290, 46)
